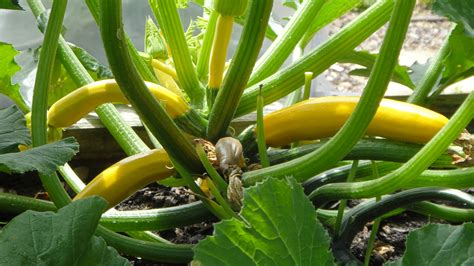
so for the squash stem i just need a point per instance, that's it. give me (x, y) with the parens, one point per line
(343, 203)
(375, 225)
(228, 98)
(133, 87)
(341, 144)
(290, 78)
(202, 66)
(166, 13)
(286, 42)
(40, 98)
(262, 147)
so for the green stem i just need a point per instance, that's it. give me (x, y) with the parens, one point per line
(211, 171)
(202, 66)
(286, 42)
(40, 99)
(375, 225)
(343, 203)
(123, 134)
(240, 69)
(262, 146)
(290, 78)
(341, 144)
(357, 217)
(131, 84)
(443, 212)
(414, 167)
(426, 84)
(167, 16)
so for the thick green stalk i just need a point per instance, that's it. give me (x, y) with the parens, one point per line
(343, 203)
(167, 16)
(341, 144)
(122, 133)
(40, 98)
(202, 66)
(262, 146)
(439, 211)
(142, 67)
(240, 69)
(431, 76)
(290, 78)
(133, 87)
(285, 43)
(407, 172)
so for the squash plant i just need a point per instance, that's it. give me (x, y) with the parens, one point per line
(273, 201)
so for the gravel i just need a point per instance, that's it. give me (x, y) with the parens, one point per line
(425, 36)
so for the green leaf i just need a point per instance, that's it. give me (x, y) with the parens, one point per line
(331, 10)
(461, 12)
(44, 159)
(97, 70)
(280, 228)
(291, 3)
(63, 238)
(8, 68)
(13, 130)
(10, 4)
(365, 58)
(459, 63)
(439, 244)
(418, 70)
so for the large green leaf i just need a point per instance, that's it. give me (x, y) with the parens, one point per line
(8, 68)
(13, 130)
(10, 4)
(459, 11)
(63, 238)
(44, 159)
(279, 227)
(439, 244)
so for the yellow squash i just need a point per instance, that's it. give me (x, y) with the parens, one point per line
(80, 102)
(323, 117)
(122, 179)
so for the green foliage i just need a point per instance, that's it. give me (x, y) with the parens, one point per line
(63, 238)
(8, 68)
(459, 63)
(13, 131)
(461, 12)
(44, 159)
(10, 4)
(279, 227)
(366, 59)
(439, 244)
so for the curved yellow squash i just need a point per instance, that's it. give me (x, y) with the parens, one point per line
(323, 117)
(125, 177)
(72, 107)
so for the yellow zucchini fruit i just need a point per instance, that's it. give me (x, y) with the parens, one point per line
(72, 107)
(322, 117)
(125, 177)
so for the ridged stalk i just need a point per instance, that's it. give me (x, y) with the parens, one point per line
(110, 117)
(167, 16)
(290, 78)
(414, 167)
(341, 144)
(133, 87)
(40, 98)
(239, 71)
(285, 43)
(202, 66)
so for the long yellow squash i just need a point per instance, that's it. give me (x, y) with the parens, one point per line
(125, 177)
(80, 102)
(322, 117)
